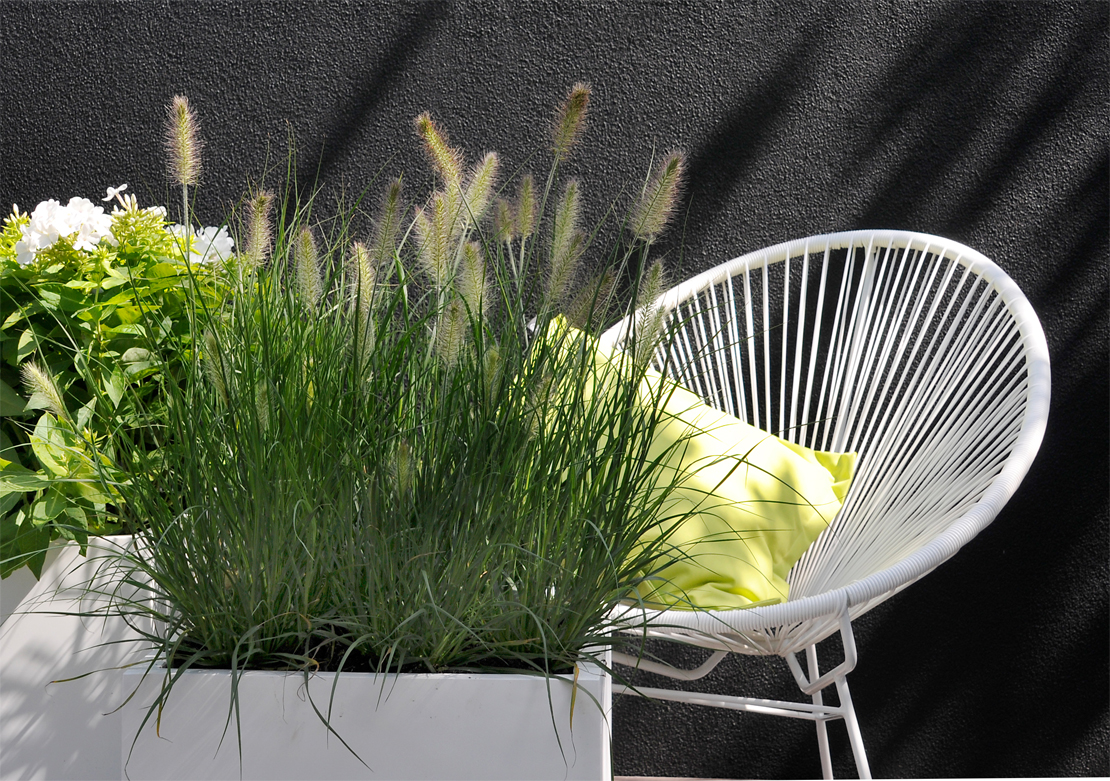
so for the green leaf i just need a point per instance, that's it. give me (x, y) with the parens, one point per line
(18, 479)
(164, 270)
(37, 401)
(85, 413)
(138, 359)
(28, 343)
(33, 543)
(50, 445)
(8, 501)
(92, 491)
(59, 297)
(27, 310)
(114, 386)
(22, 544)
(113, 282)
(48, 507)
(11, 403)
(78, 517)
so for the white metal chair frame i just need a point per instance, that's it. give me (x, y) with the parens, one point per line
(915, 351)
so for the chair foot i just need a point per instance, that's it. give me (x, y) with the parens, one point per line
(855, 737)
(822, 729)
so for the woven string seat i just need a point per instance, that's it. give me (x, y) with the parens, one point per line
(915, 351)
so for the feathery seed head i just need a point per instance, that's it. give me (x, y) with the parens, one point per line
(365, 336)
(650, 315)
(570, 120)
(566, 243)
(479, 187)
(422, 226)
(262, 404)
(492, 371)
(526, 207)
(306, 263)
(657, 204)
(446, 160)
(434, 236)
(471, 280)
(41, 383)
(363, 270)
(451, 332)
(183, 142)
(651, 285)
(388, 224)
(214, 365)
(259, 228)
(504, 226)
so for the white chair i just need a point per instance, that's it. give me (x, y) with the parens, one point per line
(916, 352)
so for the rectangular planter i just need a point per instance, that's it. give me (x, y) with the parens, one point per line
(62, 730)
(451, 726)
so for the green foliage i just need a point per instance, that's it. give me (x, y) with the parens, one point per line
(373, 467)
(390, 452)
(98, 324)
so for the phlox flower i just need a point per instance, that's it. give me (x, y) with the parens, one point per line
(81, 221)
(129, 203)
(206, 245)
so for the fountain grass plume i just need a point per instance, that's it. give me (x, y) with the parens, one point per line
(504, 222)
(433, 228)
(446, 159)
(589, 308)
(567, 241)
(650, 314)
(307, 265)
(471, 281)
(480, 186)
(526, 207)
(388, 224)
(364, 271)
(259, 228)
(183, 147)
(451, 332)
(42, 384)
(570, 121)
(657, 203)
(213, 364)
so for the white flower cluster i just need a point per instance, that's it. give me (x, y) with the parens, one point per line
(80, 220)
(206, 245)
(86, 224)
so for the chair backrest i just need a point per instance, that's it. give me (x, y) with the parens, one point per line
(915, 351)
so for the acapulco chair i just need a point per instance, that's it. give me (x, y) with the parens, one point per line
(916, 352)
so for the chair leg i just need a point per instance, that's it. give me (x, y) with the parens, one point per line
(822, 729)
(855, 737)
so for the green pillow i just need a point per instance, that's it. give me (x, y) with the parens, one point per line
(753, 502)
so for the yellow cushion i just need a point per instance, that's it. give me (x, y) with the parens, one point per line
(757, 502)
(753, 502)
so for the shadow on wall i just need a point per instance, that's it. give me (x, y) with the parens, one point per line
(342, 129)
(948, 112)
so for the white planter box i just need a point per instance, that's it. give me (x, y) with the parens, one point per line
(415, 727)
(60, 730)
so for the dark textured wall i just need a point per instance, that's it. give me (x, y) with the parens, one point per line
(983, 121)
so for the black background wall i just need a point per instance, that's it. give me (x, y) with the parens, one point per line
(985, 122)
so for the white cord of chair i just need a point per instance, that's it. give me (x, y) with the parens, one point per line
(873, 325)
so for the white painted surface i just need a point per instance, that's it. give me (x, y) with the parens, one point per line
(59, 730)
(415, 727)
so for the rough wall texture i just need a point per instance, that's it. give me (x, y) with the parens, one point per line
(983, 121)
